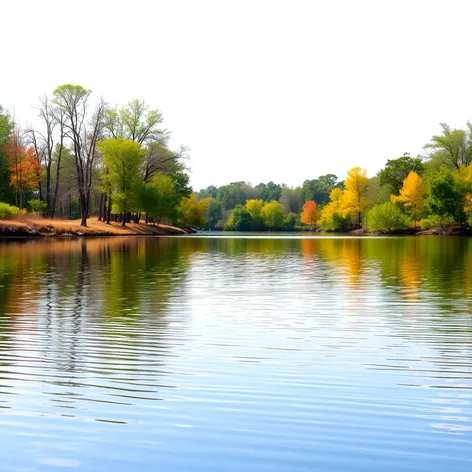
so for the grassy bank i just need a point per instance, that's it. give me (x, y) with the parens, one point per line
(42, 227)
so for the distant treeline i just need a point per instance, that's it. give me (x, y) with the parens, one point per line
(422, 192)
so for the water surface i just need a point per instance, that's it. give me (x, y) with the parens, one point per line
(236, 353)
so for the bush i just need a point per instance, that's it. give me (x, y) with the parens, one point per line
(37, 206)
(386, 218)
(240, 219)
(8, 211)
(335, 222)
(290, 221)
(436, 221)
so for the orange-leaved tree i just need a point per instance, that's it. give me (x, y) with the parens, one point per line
(24, 166)
(310, 213)
(412, 195)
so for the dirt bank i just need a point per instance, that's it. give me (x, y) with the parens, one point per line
(40, 227)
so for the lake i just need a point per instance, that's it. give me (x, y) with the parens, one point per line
(224, 353)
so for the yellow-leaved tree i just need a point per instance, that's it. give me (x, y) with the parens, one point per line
(333, 214)
(412, 195)
(354, 200)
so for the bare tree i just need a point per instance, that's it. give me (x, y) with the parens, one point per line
(49, 146)
(84, 133)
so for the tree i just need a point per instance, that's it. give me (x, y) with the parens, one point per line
(273, 214)
(214, 213)
(157, 198)
(23, 166)
(136, 122)
(231, 195)
(6, 126)
(310, 213)
(122, 158)
(354, 199)
(192, 211)
(240, 219)
(48, 149)
(290, 198)
(84, 133)
(318, 189)
(453, 146)
(269, 191)
(334, 216)
(445, 199)
(255, 208)
(412, 195)
(396, 171)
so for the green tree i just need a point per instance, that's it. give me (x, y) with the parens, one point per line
(453, 146)
(123, 159)
(445, 198)
(214, 213)
(273, 214)
(136, 122)
(318, 189)
(240, 219)
(396, 171)
(269, 191)
(157, 198)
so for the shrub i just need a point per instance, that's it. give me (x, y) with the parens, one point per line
(435, 221)
(386, 218)
(37, 206)
(334, 222)
(240, 219)
(8, 211)
(290, 221)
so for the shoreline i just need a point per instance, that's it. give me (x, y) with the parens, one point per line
(37, 228)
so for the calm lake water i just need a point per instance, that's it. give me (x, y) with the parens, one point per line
(236, 354)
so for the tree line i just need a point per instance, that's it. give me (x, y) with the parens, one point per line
(87, 158)
(432, 190)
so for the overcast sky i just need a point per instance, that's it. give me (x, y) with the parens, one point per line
(259, 90)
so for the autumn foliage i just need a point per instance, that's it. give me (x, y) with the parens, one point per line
(24, 166)
(310, 213)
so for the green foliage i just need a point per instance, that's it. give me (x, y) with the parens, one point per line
(396, 171)
(453, 146)
(445, 198)
(122, 159)
(214, 213)
(231, 195)
(8, 211)
(136, 122)
(335, 222)
(290, 221)
(269, 191)
(37, 206)
(437, 221)
(386, 218)
(318, 189)
(158, 198)
(240, 219)
(273, 215)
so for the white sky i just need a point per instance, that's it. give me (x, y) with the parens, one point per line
(259, 90)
